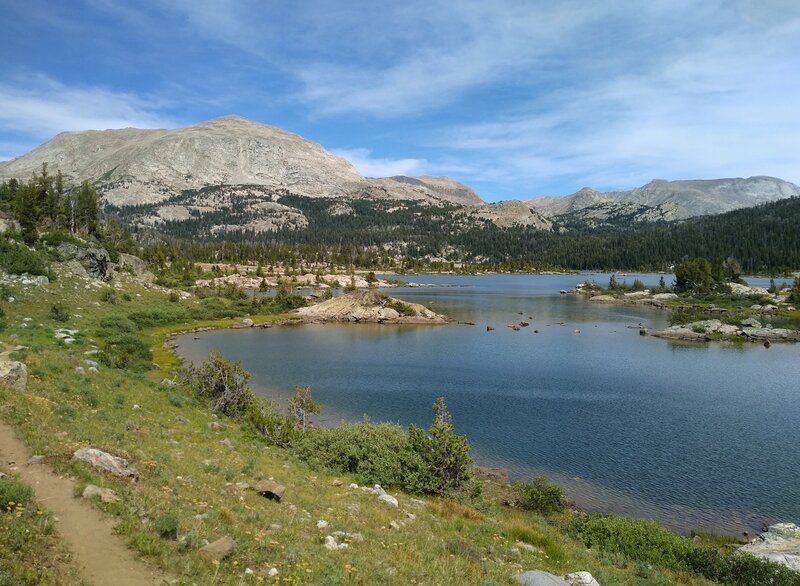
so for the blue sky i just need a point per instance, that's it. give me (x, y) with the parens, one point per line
(516, 98)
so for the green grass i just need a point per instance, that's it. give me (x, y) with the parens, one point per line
(189, 474)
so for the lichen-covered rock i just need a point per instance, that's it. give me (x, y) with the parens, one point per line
(581, 579)
(105, 494)
(97, 263)
(105, 461)
(540, 578)
(219, 549)
(136, 266)
(270, 489)
(13, 374)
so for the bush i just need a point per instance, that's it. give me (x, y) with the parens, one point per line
(58, 312)
(127, 352)
(222, 383)
(277, 429)
(108, 295)
(374, 453)
(159, 316)
(167, 526)
(115, 325)
(17, 259)
(649, 543)
(540, 496)
(441, 462)
(402, 308)
(14, 493)
(2, 319)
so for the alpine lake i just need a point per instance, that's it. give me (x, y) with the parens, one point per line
(694, 436)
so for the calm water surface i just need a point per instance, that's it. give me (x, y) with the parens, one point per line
(690, 435)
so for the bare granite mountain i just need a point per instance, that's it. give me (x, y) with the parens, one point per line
(668, 200)
(139, 166)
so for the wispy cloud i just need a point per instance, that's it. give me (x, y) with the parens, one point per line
(41, 106)
(377, 167)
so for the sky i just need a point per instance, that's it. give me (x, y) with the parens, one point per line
(516, 98)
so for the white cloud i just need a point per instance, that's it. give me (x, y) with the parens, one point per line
(376, 167)
(42, 107)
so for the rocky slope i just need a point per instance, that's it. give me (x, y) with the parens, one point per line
(670, 200)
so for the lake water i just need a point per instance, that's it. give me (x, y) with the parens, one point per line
(690, 435)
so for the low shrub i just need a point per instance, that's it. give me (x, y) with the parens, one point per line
(2, 319)
(374, 453)
(403, 308)
(646, 542)
(17, 259)
(167, 526)
(159, 316)
(262, 419)
(222, 383)
(13, 493)
(108, 295)
(540, 496)
(127, 352)
(58, 312)
(434, 461)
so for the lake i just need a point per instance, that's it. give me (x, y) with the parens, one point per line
(691, 435)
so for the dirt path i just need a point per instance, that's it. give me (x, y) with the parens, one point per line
(100, 555)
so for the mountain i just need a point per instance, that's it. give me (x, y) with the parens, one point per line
(131, 167)
(442, 187)
(670, 200)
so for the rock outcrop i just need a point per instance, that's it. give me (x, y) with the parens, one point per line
(13, 374)
(781, 544)
(105, 461)
(370, 306)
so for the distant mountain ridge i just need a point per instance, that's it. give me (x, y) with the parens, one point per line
(232, 168)
(672, 200)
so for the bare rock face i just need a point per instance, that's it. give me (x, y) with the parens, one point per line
(370, 306)
(105, 461)
(513, 213)
(440, 187)
(13, 374)
(135, 166)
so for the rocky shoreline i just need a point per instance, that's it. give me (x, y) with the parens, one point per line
(751, 329)
(369, 306)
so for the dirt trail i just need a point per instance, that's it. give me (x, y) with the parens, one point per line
(100, 555)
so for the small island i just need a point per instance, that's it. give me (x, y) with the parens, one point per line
(710, 301)
(369, 306)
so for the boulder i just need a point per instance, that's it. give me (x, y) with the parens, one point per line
(105, 461)
(332, 545)
(664, 296)
(13, 374)
(137, 267)
(67, 251)
(247, 322)
(751, 322)
(540, 578)
(218, 550)
(105, 494)
(97, 263)
(581, 579)
(270, 489)
(781, 544)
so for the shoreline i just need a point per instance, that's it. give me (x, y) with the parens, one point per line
(592, 498)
